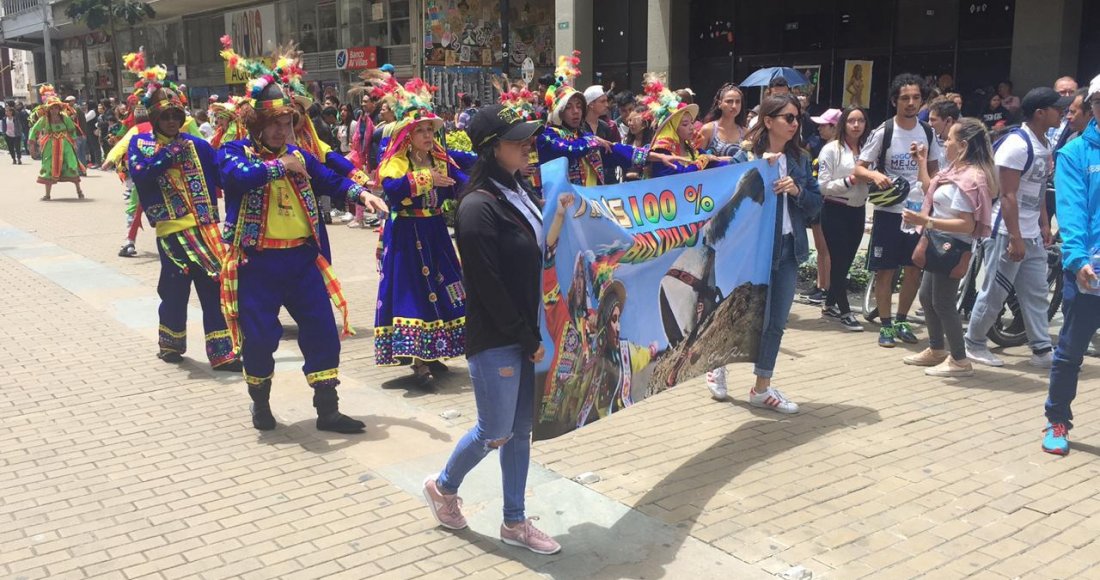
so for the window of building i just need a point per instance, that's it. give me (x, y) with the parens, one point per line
(384, 24)
(202, 34)
(619, 43)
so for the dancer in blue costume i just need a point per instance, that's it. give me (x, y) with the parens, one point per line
(176, 179)
(421, 314)
(278, 252)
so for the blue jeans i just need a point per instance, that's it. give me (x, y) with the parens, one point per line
(1081, 319)
(780, 297)
(504, 390)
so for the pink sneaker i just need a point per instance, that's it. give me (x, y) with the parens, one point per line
(526, 535)
(447, 508)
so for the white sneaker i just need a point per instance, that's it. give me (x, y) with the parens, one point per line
(716, 382)
(982, 355)
(772, 399)
(346, 217)
(1043, 361)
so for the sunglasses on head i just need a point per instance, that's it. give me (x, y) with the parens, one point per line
(790, 118)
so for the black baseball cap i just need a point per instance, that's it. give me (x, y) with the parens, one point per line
(499, 122)
(1041, 98)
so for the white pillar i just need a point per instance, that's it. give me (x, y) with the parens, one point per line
(573, 31)
(667, 48)
(1045, 38)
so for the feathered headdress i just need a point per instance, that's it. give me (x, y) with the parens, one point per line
(411, 102)
(558, 94)
(664, 109)
(150, 81)
(520, 102)
(48, 96)
(286, 73)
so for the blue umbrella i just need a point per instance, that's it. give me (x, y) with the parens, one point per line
(764, 76)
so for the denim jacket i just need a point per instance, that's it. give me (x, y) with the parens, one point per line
(802, 207)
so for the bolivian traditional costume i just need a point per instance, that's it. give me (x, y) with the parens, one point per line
(421, 315)
(586, 165)
(56, 140)
(666, 111)
(175, 177)
(278, 252)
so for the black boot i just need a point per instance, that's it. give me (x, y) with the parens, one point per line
(262, 418)
(329, 417)
(233, 366)
(169, 356)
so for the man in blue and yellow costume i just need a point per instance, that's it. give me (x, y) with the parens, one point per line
(278, 252)
(175, 175)
(565, 135)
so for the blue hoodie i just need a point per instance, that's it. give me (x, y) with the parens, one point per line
(1077, 182)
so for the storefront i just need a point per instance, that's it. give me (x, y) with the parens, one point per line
(971, 41)
(463, 48)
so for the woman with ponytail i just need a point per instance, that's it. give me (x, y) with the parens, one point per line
(958, 202)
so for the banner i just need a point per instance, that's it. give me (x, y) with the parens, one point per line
(252, 30)
(648, 283)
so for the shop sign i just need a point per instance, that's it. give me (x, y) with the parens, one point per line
(236, 77)
(358, 58)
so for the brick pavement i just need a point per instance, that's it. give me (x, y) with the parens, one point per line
(137, 468)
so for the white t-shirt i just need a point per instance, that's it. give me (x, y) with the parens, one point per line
(526, 207)
(899, 163)
(948, 201)
(1013, 154)
(787, 227)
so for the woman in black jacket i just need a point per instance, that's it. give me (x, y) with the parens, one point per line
(499, 231)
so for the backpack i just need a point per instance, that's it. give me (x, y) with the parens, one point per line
(887, 127)
(1027, 165)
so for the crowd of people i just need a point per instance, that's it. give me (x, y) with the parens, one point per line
(935, 183)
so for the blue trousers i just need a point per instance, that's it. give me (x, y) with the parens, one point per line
(267, 282)
(504, 390)
(174, 289)
(1081, 319)
(780, 298)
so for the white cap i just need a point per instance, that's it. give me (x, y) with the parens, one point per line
(592, 93)
(70, 99)
(1094, 86)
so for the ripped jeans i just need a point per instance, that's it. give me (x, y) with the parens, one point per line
(504, 390)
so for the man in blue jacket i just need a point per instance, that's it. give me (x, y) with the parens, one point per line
(1077, 180)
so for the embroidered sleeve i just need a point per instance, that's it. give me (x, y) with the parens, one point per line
(275, 169)
(355, 193)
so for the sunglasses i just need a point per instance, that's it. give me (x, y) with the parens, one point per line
(173, 115)
(790, 118)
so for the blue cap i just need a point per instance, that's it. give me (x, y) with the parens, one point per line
(387, 68)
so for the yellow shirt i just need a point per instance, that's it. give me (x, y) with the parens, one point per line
(286, 219)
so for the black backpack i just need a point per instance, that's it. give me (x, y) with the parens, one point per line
(887, 127)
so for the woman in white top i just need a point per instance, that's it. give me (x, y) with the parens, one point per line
(961, 207)
(843, 213)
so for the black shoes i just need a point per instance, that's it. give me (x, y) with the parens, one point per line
(262, 419)
(170, 356)
(329, 417)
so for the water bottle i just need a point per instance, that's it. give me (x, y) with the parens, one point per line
(1094, 260)
(912, 205)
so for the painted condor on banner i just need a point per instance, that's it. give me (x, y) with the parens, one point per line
(649, 283)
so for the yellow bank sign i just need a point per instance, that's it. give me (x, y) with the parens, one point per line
(236, 77)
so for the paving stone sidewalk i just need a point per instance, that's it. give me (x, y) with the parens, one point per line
(113, 464)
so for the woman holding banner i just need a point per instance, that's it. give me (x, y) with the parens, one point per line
(673, 131)
(499, 230)
(776, 139)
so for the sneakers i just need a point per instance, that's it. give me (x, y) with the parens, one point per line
(871, 315)
(815, 296)
(905, 332)
(926, 358)
(772, 399)
(526, 535)
(716, 382)
(831, 311)
(1056, 438)
(981, 355)
(849, 322)
(1043, 361)
(951, 368)
(447, 508)
(127, 251)
(886, 336)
